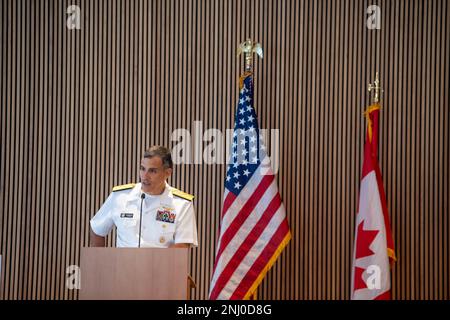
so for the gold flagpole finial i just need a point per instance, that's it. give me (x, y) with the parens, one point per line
(248, 47)
(375, 87)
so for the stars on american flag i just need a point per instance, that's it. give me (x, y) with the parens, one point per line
(247, 146)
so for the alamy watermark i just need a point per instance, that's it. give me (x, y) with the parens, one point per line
(74, 20)
(73, 277)
(212, 146)
(374, 20)
(373, 281)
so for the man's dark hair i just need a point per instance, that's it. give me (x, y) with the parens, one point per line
(162, 152)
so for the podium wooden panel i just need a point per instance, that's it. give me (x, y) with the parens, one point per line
(134, 273)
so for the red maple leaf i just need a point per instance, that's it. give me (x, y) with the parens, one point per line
(364, 240)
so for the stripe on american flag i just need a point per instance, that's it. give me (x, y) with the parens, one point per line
(247, 245)
(243, 214)
(237, 206)
(270, 252)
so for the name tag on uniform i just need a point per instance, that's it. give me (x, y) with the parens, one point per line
(126, 215)
(165, 215)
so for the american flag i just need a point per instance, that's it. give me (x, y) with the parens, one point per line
(254, 228)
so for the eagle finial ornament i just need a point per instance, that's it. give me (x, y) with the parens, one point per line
(248, 47)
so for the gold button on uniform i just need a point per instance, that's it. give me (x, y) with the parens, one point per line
(162, 240)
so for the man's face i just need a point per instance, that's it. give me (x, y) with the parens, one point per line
(153, 175)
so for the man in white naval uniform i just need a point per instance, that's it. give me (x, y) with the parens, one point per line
(168, 218)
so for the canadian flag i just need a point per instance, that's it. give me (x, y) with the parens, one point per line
(374, 248)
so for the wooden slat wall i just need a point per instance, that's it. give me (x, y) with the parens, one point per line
(79, 107)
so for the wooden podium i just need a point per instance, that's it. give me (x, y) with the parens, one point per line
(132, 273)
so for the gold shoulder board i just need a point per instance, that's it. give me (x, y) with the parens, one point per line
(123, 187)
(182, 194)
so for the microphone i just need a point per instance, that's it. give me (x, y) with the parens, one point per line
(140, 219)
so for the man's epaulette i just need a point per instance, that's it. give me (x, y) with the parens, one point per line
(182, 194)
(123, 187)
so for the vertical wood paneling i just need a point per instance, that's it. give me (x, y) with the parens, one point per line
(78, 108)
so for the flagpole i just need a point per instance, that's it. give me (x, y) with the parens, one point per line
(242, 261)
(373, 246)
(249, 47)
(248, 61)
(376, 88)
(375, 105)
